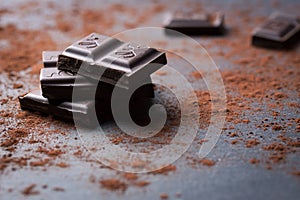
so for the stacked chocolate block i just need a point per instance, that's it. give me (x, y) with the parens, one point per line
(92, 67)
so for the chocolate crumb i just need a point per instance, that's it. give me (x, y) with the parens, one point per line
(254, 161)
(30, 190)
(276, 127)
(113, 184)
(142, 183)
(58, 189)
(296, 173)
(130, 176)
(165, 170)
(62, 165)
(164, 196)
(17, 86)
(207, 162)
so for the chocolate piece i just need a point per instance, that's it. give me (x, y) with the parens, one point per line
(192, 23)
(57, 84)
(108, 59)
(82, 110)
(63, 110)
(279, 31)
(50, 58)
(89, 49)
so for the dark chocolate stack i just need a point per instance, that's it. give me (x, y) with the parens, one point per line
(92, 67)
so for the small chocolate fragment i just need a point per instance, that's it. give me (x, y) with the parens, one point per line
(108, 59)
(50, 58)
(279, 31)
(34, 101)
(57, 84)
(192, 23)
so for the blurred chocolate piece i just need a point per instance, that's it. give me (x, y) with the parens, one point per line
(58, 85)
(279, 31)
(108, 59)
(50, 58)
(193, 23)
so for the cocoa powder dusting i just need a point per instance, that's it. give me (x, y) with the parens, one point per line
(30, 190)
(20, 55)
(164, 196)
(207, 162)
(113, 184)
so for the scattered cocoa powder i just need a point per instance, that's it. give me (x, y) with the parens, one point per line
(164, 196)
(254, 161)
(58, 189)
(7, 160)
(62, 165)
(296, 173)
(278, 151)
(196, 75)
(30, 190)
(207, 162)
(20, 55)
(141, 183)
(234, 141)
(17, 86)
(50, 152)
(165, 171)
(277, 127)
(14, 136)
(39, 163)
(130, 176)
(113, 184)
(233, 135)
(3, 101)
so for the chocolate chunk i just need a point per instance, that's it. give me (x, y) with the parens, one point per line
(34, 101)
(89, 49)
(279, 31)
(192, 23)
(57, 84)
(82, 110)
(108, 59)
(50, 58)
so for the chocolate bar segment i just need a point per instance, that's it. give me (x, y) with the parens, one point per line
(108, 59)
(34, 101)
(279, 31)
(192, 23)
(50, 58)
(130, 61)
(89, 49)
(58, 85)
(82, 111)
